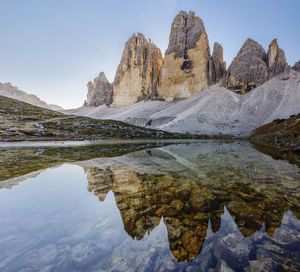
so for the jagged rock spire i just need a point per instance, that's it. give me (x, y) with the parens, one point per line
(248, 69)
(216, 64)
(185, 66)
(99, 92)
(137, 74)
(276, 59)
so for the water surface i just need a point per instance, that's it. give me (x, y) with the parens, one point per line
(203, 206)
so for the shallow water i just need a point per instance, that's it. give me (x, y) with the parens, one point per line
(203, 206)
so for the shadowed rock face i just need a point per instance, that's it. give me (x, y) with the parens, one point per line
(297, 66)
(216, 65)
(100, 92)
(253, 66)
(248, 69)
(184, 70)
(276, 59)
(137, 74)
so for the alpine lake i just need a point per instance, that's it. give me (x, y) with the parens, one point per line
(202, 205)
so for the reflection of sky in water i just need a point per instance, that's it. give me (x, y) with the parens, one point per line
(53, 222)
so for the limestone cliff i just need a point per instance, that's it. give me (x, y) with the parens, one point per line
(137, 74)
(253, 66)
(216, 65)
(276, 60)
(185, 66)
(100, 92)
(248, 69)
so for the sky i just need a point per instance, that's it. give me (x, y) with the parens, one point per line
(52, 48)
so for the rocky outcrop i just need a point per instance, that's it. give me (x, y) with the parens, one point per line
(100, 92)
(276, 60)
(253, 66)
(216, 65)
(185, 67)
(137, 74)
(297, 66)
(248, 69)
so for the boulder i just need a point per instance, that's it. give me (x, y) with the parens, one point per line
(185, 67)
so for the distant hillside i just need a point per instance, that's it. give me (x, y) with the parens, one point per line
(55, 107)
(8, 90)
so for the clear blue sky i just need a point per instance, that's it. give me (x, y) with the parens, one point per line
(52, 48)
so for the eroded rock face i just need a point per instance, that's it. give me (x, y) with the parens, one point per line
(137, 74)
(276, 59)
(297, 66)
(100, 92)
(248, 69)
(216, 65)
(185, 67)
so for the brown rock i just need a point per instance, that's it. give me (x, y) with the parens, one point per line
(185, 67)
(248, 69)
(137, 74)
(216, 65)
(276, 60)
(99, 92)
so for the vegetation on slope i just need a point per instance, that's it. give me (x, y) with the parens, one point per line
(280, 138)
(21, 121)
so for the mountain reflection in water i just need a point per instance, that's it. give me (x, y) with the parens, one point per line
(224, 206)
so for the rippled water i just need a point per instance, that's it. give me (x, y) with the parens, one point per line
(205, 206)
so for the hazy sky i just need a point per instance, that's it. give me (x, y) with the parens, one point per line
(52, 48)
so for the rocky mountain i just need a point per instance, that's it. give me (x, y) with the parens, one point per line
(137, 74)
(215, 110)
(185, 69)
(253, 66)
(142, 73)
(8, 90)
(216, 65)
(248, 69)
(100, 91)
(257, 87)
(276, 60)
